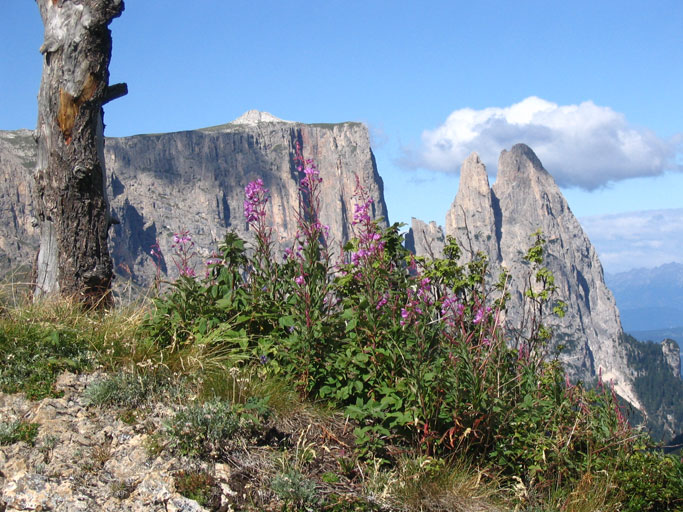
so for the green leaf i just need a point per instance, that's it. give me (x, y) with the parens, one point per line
(361, 357)
(286, 321)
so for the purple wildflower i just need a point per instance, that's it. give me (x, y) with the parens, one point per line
(184, 253)
(181, 239)
(481, 314)
(155, 251)
(382, 301)
(256, 197)
(187, 271)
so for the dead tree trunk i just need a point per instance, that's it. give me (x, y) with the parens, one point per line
(70, 199)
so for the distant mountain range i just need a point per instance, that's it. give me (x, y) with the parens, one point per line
(649, 299)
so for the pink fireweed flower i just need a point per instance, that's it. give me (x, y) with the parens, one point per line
(300, 280)
(450, 305)
(184, 254)
(155, 251)
(361, 212)
(321, 228)
(312, 176)
(412, 266)
(308, 167)
(481, 314)
(256, 197)
(215, 259)
(412, 309)
(424, 290)
(447, 303)
(187, 272)
(182, 239)
(404, 316)
(382, 301)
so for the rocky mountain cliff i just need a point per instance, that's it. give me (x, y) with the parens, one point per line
(18, 236)
(499, 220)
(194, 180)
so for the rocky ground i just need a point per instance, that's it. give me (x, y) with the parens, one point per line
(86, 458)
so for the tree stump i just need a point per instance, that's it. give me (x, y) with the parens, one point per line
(70, 197)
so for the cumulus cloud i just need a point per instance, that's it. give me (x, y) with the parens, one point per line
(636, 239)
(583, 145)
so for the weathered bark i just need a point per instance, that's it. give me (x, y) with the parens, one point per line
(70, 201)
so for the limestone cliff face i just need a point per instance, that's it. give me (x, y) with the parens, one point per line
(194, 180)
(529, 200)
(425, 239)
(672, 356)
(18, 235)
(471, 218)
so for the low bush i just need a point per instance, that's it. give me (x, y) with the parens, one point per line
(37, 354)
(209, 429)
(17, 431)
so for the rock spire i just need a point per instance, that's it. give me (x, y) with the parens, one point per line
(500, 220)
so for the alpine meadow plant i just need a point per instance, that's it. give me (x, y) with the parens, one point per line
(415, 351)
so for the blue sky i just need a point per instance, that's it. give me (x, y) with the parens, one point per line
(593, 87)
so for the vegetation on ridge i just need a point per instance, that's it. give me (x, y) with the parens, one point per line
(378, 382)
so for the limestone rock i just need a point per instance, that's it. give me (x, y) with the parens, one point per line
(85, 458)
(471, 218)
(530, 200)
(425, 239)
(164, 184)
(672, 356)
(254, 117)
(18, 235)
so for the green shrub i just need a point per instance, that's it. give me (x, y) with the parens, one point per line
(209, 429)
(649, 481)
(295, 490)
(133, 390)
(18, 431)
(41, 340)
(36, 354)
(199, 486)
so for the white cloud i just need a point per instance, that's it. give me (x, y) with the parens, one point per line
(637, 239)
(583, 145)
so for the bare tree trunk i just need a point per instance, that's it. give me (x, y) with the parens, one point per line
(70, 199)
